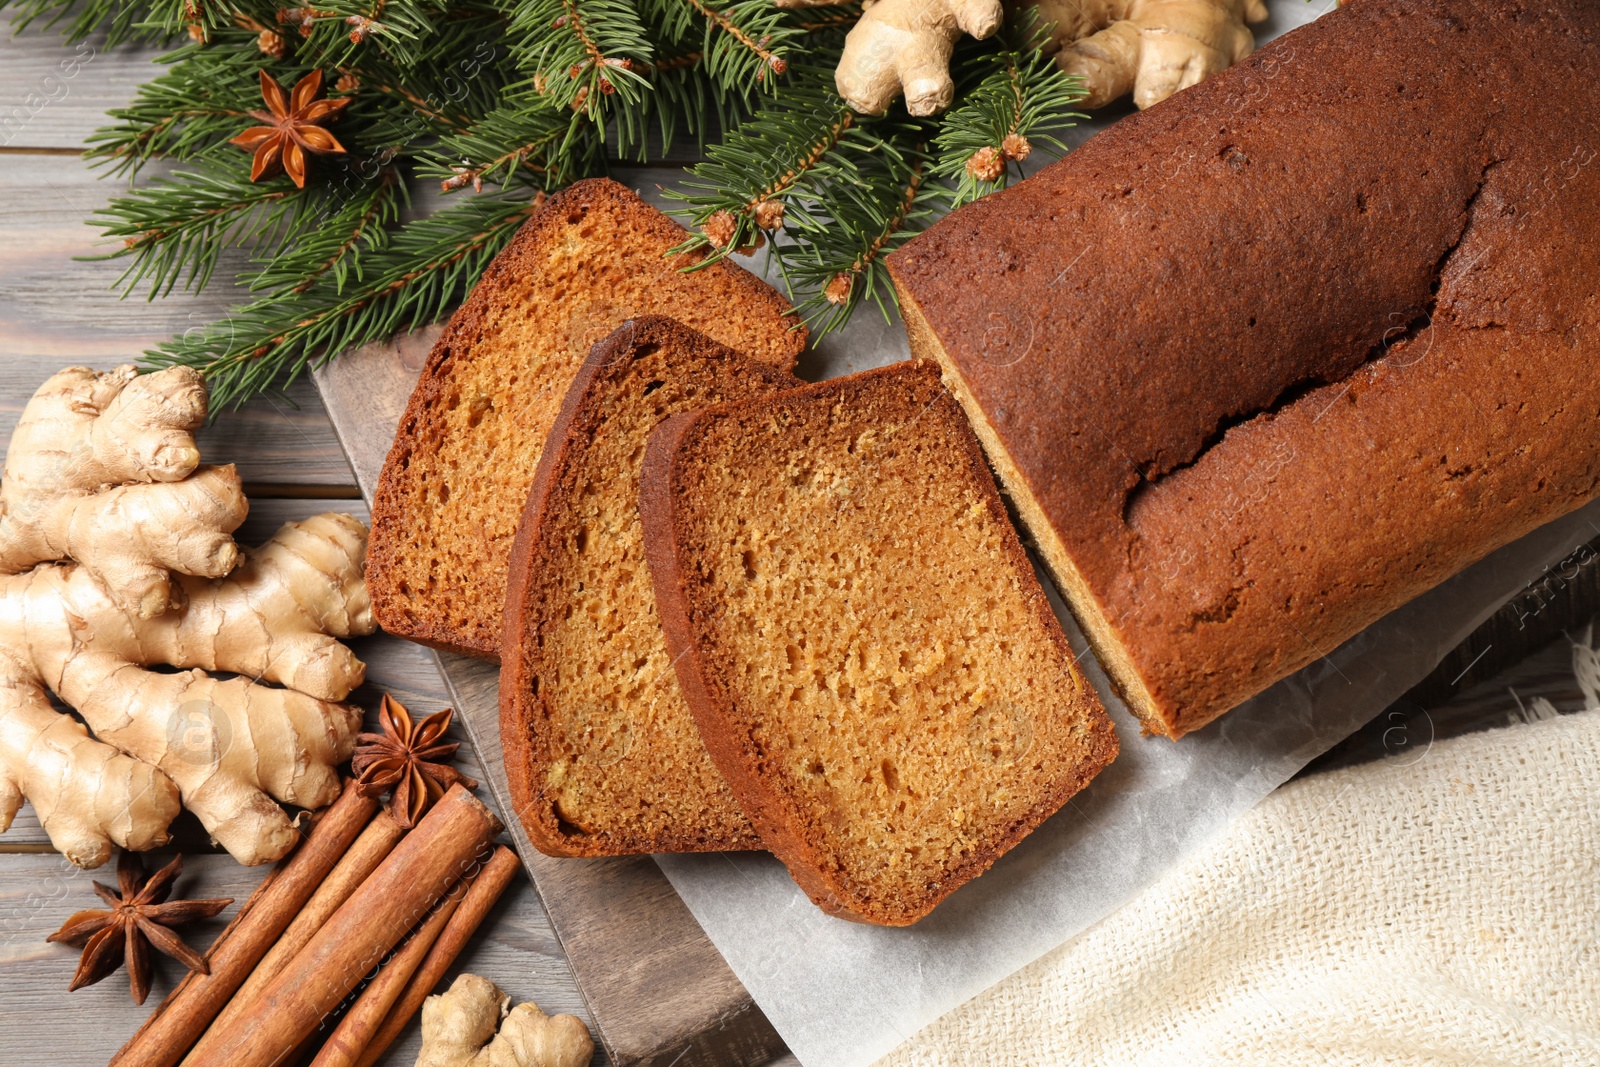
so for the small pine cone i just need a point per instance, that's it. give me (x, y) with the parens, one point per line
(1016, 147)
(271, 44)
(778, 64)
(461, 177)
(768, 214)
(838, 290)
(197, 32)
(720, 228)
(986, 165)
(347, 83)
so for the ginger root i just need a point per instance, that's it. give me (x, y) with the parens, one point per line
(904, 46)
(153, 588)
(1151, 48)
(456, 1024)
(102, 470)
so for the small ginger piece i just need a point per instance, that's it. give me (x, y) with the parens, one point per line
(904, 46)
(456, 1024)
(102, 470)
(1151, 48)
(160, 582)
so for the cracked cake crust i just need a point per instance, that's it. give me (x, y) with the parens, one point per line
(1268, 360)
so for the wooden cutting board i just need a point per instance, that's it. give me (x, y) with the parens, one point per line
(658, 991)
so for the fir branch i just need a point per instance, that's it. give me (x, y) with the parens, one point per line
(818, 22)
(332, 235)
(524, 134)
(173, 17)
(841, 261)
(429, 108)
(176, 228)
(412, 280)
(783, 145)
(683, 99)
(742, 42)
(204, 98)
(581, 52)
(120, 20)
(1010, 102)
(523, 94)
(342, 30)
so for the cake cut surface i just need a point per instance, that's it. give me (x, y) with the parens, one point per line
(456, 479)
(867, 652)
(601, 751)
(1266, 361)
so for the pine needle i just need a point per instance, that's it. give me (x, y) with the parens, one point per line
(496, 102)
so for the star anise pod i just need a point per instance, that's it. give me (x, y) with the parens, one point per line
(294, 127)
(406, 758)
(139, 918)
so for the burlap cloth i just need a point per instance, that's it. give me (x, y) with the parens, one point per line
(1439, 910)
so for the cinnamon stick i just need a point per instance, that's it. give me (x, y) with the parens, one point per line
(427, 861)
(184, 1014)
(363, 857)
(469, 915)
(355, 1030)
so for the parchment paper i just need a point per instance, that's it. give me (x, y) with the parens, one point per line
(843, 994)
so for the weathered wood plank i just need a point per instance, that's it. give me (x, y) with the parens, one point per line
(54, 95)
(514, 948)
(56, 312)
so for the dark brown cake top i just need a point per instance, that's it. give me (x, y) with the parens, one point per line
(1214, 258)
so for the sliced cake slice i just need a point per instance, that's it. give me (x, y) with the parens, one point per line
(868, 655)
(453, 486)
(601, 751)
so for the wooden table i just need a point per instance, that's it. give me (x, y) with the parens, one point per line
(54, 313)
(57, 312)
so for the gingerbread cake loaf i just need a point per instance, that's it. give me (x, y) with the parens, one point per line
(1268, 360)
(456, 479)
(866, 650)
(601, 752)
